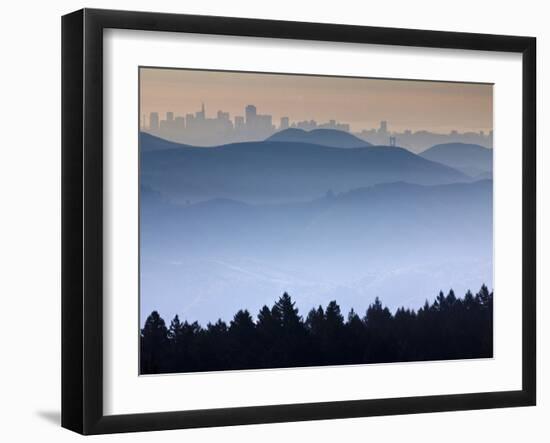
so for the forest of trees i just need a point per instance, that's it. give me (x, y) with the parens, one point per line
(448, 328)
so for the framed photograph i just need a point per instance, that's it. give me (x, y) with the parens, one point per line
(269, 221)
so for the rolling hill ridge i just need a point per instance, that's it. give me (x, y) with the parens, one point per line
(321, 137)
(473, 160)
(276, 172)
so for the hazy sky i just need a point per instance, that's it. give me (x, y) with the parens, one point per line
(361, 102)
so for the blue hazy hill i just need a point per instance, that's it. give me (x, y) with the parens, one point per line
(380, 214)
(321, 137)
(148, 142)
(473, 160)
(399, 241)
(275, 172)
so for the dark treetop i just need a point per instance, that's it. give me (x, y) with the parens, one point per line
(449, 328)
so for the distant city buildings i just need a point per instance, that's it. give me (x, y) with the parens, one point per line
(285, 122)
(199, 130)
(419, 141)
(154, 121)
(250, 113)
(239, 123)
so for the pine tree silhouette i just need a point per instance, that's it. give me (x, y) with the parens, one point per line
(448, 328)
(154, 345)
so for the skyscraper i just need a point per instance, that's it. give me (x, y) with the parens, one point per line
(239, 122)
(154, 121)
(223, 115)
(284, 123)
(250, 113)
(201, 115)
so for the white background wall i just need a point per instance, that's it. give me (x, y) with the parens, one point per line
(30, 218)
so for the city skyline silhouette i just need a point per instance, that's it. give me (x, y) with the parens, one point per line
(199, 129)
(408, 106)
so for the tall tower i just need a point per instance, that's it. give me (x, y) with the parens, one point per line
(284, 123)
(201, 115)
(250, 113)
(153, 121)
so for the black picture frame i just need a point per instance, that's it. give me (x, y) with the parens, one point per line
(82, 218)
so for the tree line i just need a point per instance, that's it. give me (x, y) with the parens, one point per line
(448, 328)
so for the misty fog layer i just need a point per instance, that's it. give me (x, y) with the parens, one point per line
(235, 226)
